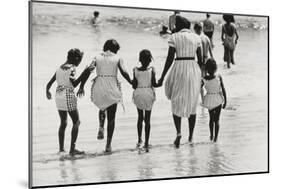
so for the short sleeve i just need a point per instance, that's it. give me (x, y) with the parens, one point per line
(171, 41)
(72, 72)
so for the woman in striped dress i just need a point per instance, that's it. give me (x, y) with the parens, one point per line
(182, 86)
(66, 100)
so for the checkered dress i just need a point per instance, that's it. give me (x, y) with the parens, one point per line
(65, 95)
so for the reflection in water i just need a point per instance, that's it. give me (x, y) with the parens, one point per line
(145, 167)
(63, 172)
(216, 159)
(192, 161)
(77, 175)
(108, 171)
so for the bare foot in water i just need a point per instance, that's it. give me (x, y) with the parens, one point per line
(177, 141)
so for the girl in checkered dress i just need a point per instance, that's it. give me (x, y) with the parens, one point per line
(66, 100)
(105, 91)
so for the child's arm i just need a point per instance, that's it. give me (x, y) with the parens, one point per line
(123, 71)
(153, 78)
(222, 34)
(84, 77)
(50, 83)
(223, 93)
(135, 81)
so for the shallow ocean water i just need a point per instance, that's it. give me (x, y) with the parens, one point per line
(242, 145)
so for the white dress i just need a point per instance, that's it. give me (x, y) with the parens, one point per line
(144, 95)
(65, 96)
(106, 89)
(182, 86)
(213, 97)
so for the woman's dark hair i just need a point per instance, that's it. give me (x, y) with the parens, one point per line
(96, 13)
(197, 26)
(208, 15)
(182, 23)
(211, 66)
(228, 18)
(145, 57)
(111, 45)
(74, 56)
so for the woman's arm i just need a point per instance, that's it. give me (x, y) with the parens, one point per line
(222, 34)
(135, 81)
(237, 37)
(210, 50)
(199, 56)
(223, 93)
(123, 71)
(153, 78)
(50, 83)
(169, 62)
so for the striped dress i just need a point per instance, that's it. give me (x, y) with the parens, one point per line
(65, 96)
(213, 97)
(182, 86)
(144, 95)
(106, 89)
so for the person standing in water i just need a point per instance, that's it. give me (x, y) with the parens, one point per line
(215, 98)
(106, 91)
(66, 100)
(229, 37)
(183, 84)
(144, 95)
(95, 20)
(209, 28)
(172, 21)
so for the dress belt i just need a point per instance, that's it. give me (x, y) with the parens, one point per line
(185, 58)
(106, 75)
(144, 87)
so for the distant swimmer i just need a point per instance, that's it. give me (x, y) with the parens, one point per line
(172, 21)
(164, 31)
(208, 28)
(95, 20)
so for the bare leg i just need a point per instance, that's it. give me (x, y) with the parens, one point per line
(61, 133)
(211, 124)
(232, 56)
(191, 124)
(111, 112)
(102, 116)
(74, 132)
(147, 128)
(177, 122)
(217, 118)
(139, 126)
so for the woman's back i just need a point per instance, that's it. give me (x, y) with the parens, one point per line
(229, 29)
(185, 43)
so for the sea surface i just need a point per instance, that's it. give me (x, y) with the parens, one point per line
(242, 145)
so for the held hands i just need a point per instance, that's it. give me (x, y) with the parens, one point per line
(160, 82)
(49, 95)
(80, 93)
